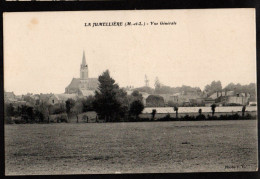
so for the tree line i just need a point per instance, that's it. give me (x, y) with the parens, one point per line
(209, 89)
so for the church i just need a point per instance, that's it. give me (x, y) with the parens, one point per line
(83, 86)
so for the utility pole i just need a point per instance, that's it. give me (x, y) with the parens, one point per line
(146, 81)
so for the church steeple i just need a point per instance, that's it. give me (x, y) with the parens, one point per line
(84, 68)
(83, 59)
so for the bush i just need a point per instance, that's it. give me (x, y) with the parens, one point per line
(248, 116)
(212, 117)
(201, 117)
(188, 118)
(8, 120)
(19, 120)
(61, 118)
(166, 118)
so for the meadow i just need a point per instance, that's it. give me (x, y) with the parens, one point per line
(142, 147)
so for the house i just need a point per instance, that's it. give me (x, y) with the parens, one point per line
(223, 93)
(230, 97)
(61, 98)
(144, 95)
(209, 101)
(187, 99)
(9, 97)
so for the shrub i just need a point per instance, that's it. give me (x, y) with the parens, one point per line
(64, 118)
(165, 118)
(235, 116)
(201, 117)
(19, 120)
(188, 118)
(61, 118)
(153, 113)
(136, 108)
(212, 117)
(8, 120)
(248, 116)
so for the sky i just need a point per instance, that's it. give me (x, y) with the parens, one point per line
(43, 50)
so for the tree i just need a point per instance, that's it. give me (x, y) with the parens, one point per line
(155, 101)
(57, 108)
(213, 87)
(136, 108)
(39, 115)
(109, 98)
(153, 113)
(121, 97)
(42, 111)
(157, 83)
(30, 112)
(238, 88)
(69, 105)
(200, 111)
(137, 96)
(87, 103)
(176, 110)
(9, 109)
(213, 107)
(243, 110)
(77, 109)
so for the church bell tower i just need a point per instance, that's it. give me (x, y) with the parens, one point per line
(83, 68)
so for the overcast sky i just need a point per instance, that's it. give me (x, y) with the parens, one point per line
(43, 50)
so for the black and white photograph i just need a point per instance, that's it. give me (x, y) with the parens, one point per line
(130, 91)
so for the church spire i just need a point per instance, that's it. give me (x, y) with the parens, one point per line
(83, 59)
(84, 68)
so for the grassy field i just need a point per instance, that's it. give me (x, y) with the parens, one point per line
(130, 147)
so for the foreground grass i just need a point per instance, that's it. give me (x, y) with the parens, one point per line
(130, 147)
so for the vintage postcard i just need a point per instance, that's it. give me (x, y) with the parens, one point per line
(139, 91)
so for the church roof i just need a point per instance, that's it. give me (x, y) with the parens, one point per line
(93, 83)
(74, 83)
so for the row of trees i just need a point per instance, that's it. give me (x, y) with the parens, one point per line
(211, 88)
(237, 88)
